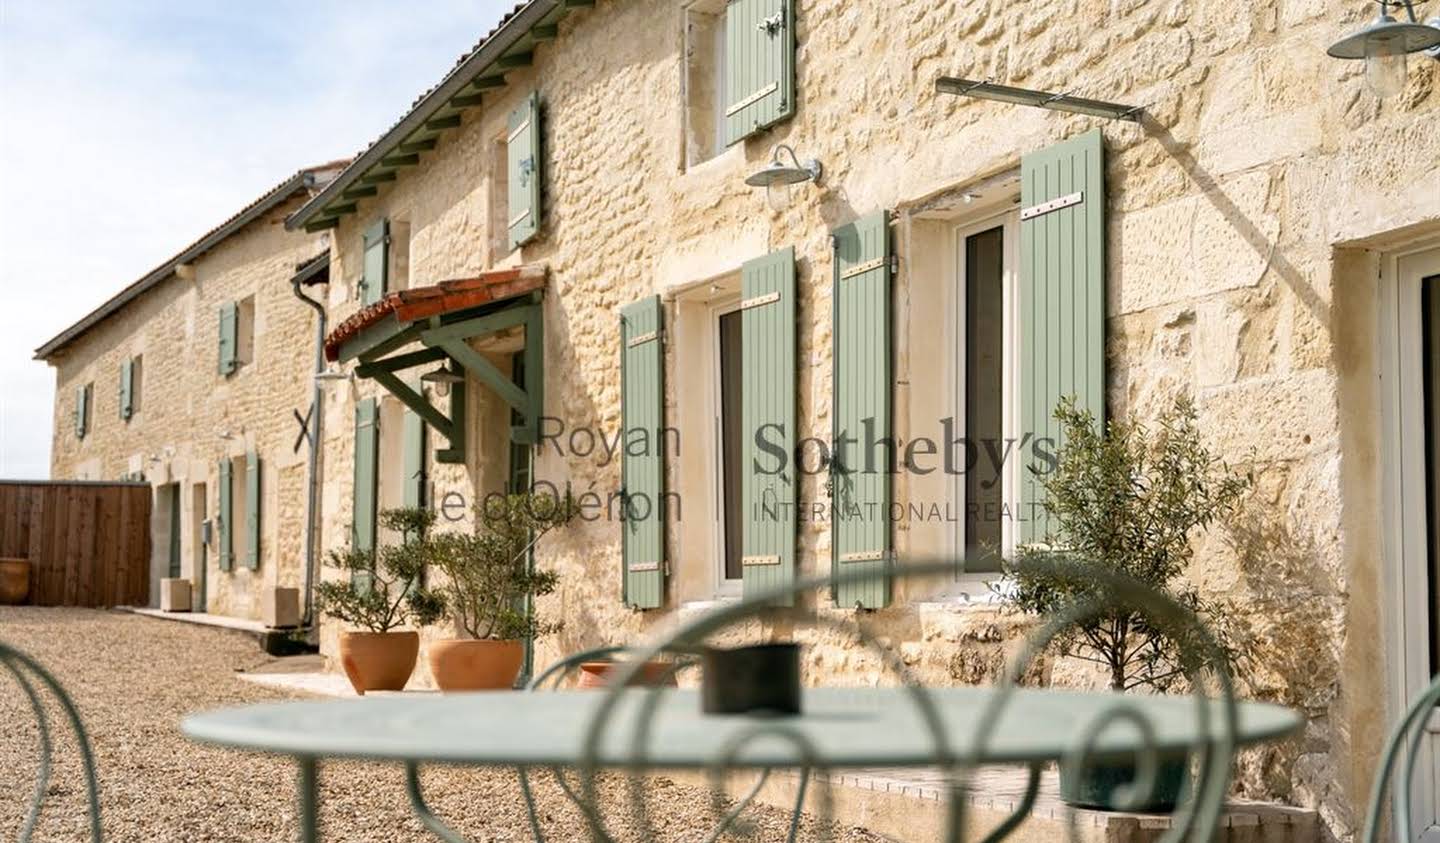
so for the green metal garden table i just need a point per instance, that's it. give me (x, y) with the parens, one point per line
(840, 727)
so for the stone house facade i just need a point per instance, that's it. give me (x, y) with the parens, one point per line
(186, 380)
(1256, 241)
(1240, 236)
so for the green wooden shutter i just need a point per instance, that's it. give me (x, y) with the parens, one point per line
(127, 389)
(414, 436)
(82, 411)
(252, 510)
(223, 517)
(1062, 301)
(768, 492)
(861, 459)
(367, 452)
(376, 263)
(759, 65)
(523, 156)
(229, 322)
(642, 369)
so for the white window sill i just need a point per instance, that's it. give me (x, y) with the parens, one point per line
(970, 592)
(713, 603)
(726, 159)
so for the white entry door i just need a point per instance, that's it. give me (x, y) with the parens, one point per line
(1413, 395)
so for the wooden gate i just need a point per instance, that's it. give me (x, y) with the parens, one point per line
(88, 543)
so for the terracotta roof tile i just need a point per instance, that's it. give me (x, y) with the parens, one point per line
(451, 296)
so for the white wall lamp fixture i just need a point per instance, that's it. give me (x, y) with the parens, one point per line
(777, 176)
(442, 378)
(1386, 43)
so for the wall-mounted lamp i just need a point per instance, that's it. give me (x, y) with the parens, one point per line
(1385, 45)
(442, 378)
(777, 176)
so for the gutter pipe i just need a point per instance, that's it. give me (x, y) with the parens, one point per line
(312, 501)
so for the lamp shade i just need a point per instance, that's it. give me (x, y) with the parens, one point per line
(777, 173)
(1383, 35)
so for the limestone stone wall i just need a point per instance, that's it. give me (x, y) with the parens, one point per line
(1244, 218)
(190, 416)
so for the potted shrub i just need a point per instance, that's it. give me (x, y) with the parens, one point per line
(380, 595)
(1129, 499)
(488, 589)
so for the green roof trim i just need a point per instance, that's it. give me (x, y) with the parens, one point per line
(510, 45)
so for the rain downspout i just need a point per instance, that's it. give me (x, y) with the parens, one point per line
(317, 413)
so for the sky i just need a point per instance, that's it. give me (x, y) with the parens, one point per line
(129, 129)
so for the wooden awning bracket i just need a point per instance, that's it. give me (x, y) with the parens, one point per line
(449, 340)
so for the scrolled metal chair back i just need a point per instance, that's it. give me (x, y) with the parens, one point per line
(1402, 748)
(1213, 749)
(26, 671)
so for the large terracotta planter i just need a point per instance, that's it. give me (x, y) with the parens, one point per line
(654, 674)
(467, 664)
(14, 581)
(378, 661)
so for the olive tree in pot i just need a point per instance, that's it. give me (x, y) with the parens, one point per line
(488, 590)
(1130, 499)
(379, 595)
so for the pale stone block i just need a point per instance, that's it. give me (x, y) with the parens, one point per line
(280, 607)
(174, 594)
(1218, 328)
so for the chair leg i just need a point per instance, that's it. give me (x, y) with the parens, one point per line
(422, 809)
(17, 663)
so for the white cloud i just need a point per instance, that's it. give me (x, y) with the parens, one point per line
(127, 130)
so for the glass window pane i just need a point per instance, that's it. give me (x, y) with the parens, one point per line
(732, 444)
(984, 358)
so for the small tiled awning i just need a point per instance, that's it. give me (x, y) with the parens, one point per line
(436, 324)
(415, 304)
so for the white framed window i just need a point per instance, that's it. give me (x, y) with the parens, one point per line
(498, 215)
(704, 80)
(982, 341)
(727, 444)
(245, 331)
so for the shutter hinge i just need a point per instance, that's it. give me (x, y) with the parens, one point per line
(772, 24)
(894, 264)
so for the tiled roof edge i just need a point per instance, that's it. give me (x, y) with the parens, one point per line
(303, 179)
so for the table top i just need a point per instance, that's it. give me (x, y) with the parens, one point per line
(847, 727)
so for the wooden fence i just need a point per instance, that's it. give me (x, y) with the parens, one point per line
(88, 543)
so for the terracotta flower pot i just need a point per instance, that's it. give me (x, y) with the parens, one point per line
(14, 581)
(654, 674)
(378, 661)
(467, 664)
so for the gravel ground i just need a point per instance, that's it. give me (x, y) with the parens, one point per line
(134, 678)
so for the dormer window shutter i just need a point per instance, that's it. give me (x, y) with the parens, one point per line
(524, 171)
(377, 263)
(127, 389)
(229, 324)
(82, 411)
(759, 65)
